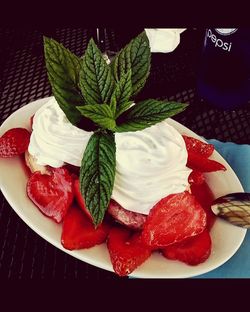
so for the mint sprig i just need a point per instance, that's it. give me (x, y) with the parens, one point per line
(135, 57)
(100, 97)
(97, 174)
(96, 81)
(122, 94)
(102, 115)
(63, 72)
(147, 113)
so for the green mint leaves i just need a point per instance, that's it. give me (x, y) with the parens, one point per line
(97, 174)
(135, 57)
(147, 113)
(63, 72)
(102, 115)
(122, 93)
(101, 97)
(96, 80)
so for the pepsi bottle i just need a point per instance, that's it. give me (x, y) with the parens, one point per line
(224, 73)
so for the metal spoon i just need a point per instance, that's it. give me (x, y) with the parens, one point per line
(234, 208)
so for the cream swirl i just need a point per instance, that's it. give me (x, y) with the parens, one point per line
(54, 140)
(150, 164)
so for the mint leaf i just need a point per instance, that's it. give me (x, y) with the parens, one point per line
(135, 56)
(100, 114)
(122, 93)
(122, 108)
(96, 81)
(63, 69)
(97, 174)
(147, 113)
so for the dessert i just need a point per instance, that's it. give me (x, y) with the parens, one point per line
(150, 164)
(113, 159)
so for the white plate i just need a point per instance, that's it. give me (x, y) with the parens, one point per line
(226, 238)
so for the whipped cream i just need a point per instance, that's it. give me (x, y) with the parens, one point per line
(150, 164)
(54, 140)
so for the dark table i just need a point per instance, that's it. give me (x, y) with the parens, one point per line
(23, 79)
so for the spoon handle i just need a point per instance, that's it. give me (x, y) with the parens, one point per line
(234, 208)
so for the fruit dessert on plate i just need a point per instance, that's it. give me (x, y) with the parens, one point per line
(113, 170)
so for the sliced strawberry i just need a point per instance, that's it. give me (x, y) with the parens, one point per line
(52, 194)
(197, 146)
(80, 199)
(79, 232)
(199, 163)
(131, 219)
(196, 177)
(173, 219)
(192, 251)
(126, 250)
(205, 197)
(14, 142)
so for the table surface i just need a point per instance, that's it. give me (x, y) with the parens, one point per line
(23, 79)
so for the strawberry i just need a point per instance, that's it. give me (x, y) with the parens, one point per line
(192, 251)
(198, 153)
(197, 146)
(197, 162)
(80, 199)
(14, 142)
(196, 177)
(173, 219)
(53, 193)
(131, 219)
(126, 250)
(79, 232)
(205, 197)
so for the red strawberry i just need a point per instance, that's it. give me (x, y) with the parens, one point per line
(80, 199)
(199, 163)
(205, 197)
(79, 232)
(197, 146)
(52, 194)
(173, 219)
(192, 250)
(131, 219)
(126, 250)
(196, 177)
(14, 142)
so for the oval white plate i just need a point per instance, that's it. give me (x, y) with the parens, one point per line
(226, 238)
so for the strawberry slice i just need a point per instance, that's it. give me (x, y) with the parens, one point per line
(199, 163)
(196, 177)
(192, 251)
(79, 232)
(128, 218)
(126, 250)
(173, 219)
(197, 146)
(205, 197)
(14, 142)
(52, 194)
(80, 199)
